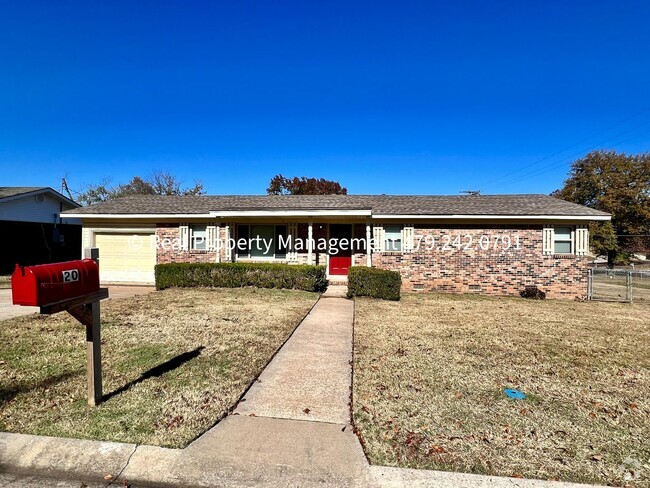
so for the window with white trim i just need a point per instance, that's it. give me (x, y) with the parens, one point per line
(261, 241)
(199, 237)
(563, 240)
(392, 238)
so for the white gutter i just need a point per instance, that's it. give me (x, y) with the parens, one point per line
(491, 217)
(291, 213)
(229, 213)
(136, 216)
(333, 213)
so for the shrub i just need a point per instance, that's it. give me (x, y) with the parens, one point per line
(374, 282)
(235, 275)
(533, 292)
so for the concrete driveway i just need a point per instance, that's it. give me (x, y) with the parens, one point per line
(9, 310)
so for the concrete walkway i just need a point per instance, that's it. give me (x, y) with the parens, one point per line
(310, 378)
(291, 429)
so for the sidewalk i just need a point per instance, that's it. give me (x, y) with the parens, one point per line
(291, 429)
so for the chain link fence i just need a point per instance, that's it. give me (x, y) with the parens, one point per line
(619, 285)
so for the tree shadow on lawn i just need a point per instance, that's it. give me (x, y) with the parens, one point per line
(161, 369)
(8, 394)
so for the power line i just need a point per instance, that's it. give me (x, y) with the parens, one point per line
(573, 145)
(557, 164)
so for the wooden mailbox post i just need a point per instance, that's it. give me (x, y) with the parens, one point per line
(65, 282)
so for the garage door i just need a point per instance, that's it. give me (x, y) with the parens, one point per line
(126, 258)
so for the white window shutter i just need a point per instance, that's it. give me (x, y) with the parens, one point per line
(407, 238)
(582, 240)
(548, 236)
(228, 232)
(217, 243)
(378, 238)
(210, 235)
(184, 236)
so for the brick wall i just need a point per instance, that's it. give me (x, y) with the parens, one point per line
(359, 254)
(492, 271)
(497, 271)
(164, 254)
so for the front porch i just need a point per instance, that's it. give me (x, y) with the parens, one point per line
(336, 244)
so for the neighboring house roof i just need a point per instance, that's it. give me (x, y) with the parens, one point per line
(11, 192)
(415, 206)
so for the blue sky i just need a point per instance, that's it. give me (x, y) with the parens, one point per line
(385, 97)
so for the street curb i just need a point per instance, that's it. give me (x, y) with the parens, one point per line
(55, 457)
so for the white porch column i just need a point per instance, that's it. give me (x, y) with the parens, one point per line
(368, 246)
(228, 251)
(218, 244)
(310, 238)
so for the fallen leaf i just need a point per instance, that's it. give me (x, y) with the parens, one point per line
(108, 477)
(306, 410)
(596, 457)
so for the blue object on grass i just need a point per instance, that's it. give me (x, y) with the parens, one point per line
(514, 394)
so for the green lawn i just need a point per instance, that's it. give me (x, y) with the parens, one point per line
(430, 370)
(174, 363)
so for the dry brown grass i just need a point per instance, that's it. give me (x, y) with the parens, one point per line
(42, 363)
(430, 371)
(5, 281)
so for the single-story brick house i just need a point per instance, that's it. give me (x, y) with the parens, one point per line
(493, 244)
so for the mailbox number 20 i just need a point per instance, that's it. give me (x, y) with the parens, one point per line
(70, 275)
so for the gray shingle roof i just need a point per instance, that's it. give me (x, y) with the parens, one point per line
(12, 191)
(379, 204)
(16, 191)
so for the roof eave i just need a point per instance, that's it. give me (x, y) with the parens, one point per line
(492, 217)
(336, 213)
(45, 189)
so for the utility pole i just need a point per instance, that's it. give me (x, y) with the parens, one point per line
(64, 188)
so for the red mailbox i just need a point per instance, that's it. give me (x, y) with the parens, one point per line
(50, 283)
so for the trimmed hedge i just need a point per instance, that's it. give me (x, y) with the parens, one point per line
(236, 275)
(374, 282)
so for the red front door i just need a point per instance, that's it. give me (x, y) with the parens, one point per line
(340, 252)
